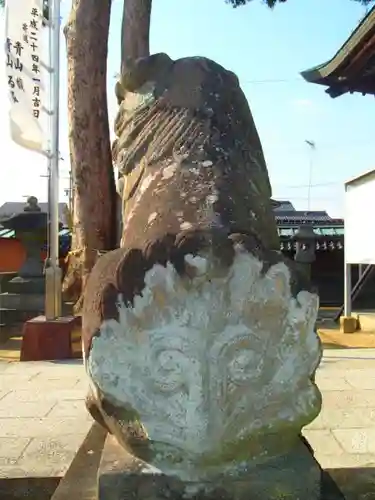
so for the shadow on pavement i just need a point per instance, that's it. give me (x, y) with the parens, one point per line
(28, 488)
(355, 483)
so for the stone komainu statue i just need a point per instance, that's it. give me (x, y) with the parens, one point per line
(192, 117)
(198, 335)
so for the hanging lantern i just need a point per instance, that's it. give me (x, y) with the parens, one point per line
(305, 239)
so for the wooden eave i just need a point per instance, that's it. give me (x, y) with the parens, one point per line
(352, 69)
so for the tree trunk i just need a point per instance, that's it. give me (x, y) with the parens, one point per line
(94, 195)
(135, 30)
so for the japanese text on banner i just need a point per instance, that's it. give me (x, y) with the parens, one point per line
(23, 52)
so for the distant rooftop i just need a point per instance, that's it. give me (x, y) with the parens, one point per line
(283, 205)
(15, 207)
(300, 216)
(286, 214)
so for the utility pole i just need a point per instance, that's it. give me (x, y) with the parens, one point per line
(53, 302)
(312, 149)
(71, 193)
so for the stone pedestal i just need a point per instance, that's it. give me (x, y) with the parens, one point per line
(295, 476)
(348, 324)
(48, 339)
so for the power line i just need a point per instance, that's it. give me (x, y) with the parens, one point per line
(321, 184)
(278, 197)
(272, 80)
(260, 81)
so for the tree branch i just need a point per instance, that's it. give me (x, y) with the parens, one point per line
(135, 30)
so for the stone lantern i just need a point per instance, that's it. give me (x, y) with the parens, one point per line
(305, 247)
(30, 227)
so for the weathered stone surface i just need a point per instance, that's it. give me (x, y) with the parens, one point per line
(190, 151)
(216, 366)
(295, 476)
(198, 335)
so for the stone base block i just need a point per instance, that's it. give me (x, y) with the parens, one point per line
(348, 324)
(366, 322)
(296, 476)
(23, 301)
(48, 339)
(25, 285)
(6, 276)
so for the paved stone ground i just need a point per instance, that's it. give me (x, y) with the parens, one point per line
(43, 420)
(343, 435)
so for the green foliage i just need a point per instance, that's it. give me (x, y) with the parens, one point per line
(272, 3)
(45, 10)
(239, 3)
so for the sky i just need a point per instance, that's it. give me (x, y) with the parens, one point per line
(267, 50)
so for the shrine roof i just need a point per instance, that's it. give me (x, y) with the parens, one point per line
(305, 217)
(352, 69)
(10, 208)
(10, 233)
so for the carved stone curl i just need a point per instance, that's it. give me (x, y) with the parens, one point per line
(198, 334)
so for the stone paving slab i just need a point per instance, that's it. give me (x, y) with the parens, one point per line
(343, 435)
(55, 451)
(334, 339)
(43, 419)
(358, 441)
(11, 448)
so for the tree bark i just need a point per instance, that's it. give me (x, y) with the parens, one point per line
(135, 30)
(94, 194)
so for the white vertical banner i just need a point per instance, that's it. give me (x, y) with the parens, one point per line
(25, 73)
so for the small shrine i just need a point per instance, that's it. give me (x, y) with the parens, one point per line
(327, 269)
